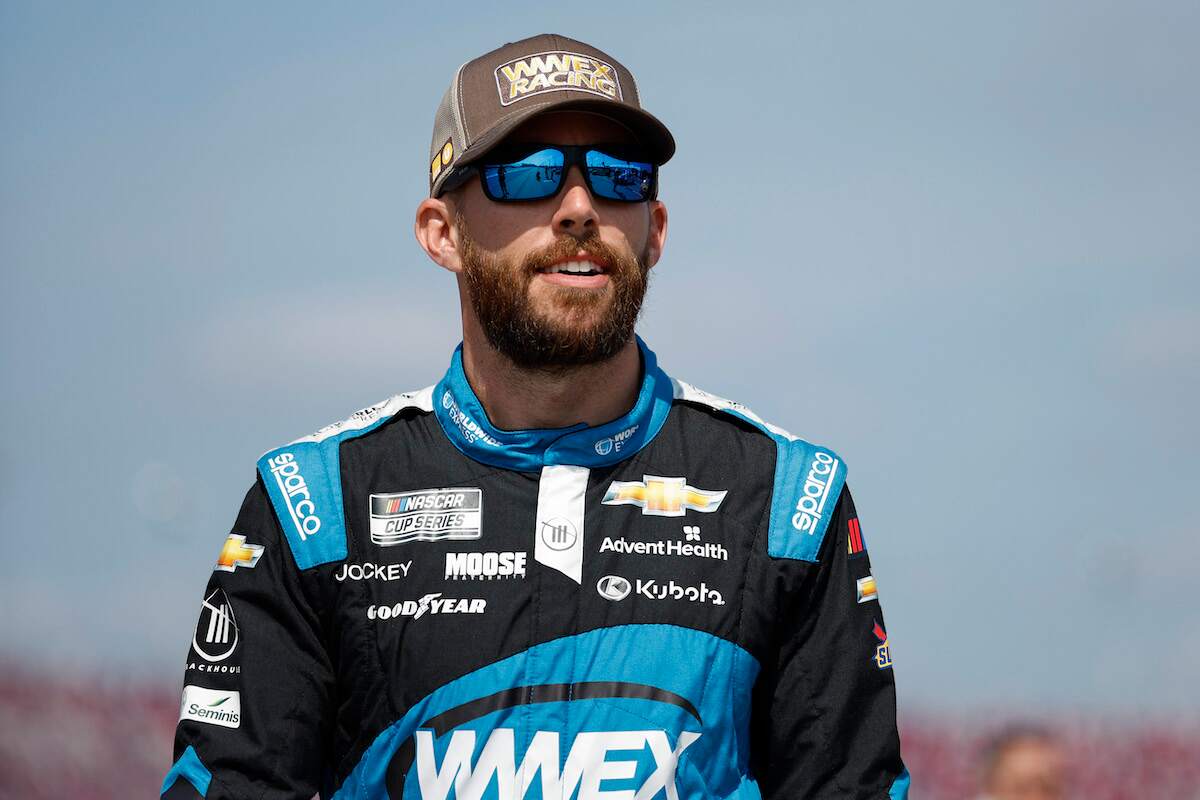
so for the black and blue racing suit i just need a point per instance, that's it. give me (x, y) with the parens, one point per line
(413, 603)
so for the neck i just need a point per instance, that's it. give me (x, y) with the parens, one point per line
(520, 399)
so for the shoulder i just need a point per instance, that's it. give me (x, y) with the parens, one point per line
(808, 479)
(303, 480)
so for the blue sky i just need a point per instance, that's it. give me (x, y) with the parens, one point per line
(956, 242)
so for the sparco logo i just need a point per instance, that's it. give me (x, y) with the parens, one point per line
(594, 757)
(295, 494)
(545, 72)
(485, 565)
(675, 591)
(468, 427)
(613, 587)
(815, 493)
(429, 604)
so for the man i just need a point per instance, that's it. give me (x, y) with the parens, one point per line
(1023, 762)
(558, 572)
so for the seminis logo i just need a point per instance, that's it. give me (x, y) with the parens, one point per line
(460, 754)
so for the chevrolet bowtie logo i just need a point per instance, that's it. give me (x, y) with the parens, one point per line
(236, 553)
(663, 497)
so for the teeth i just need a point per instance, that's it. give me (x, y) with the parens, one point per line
(575, 266)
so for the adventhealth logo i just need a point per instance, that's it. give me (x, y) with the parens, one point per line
(594, 757)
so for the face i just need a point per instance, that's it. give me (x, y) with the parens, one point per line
(1028, 770)
(559, 282)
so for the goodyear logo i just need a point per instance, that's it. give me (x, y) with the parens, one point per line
(444, 156)
(662, 497)
(554, 71)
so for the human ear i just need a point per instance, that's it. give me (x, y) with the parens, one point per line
(656, 235)
(434, 229)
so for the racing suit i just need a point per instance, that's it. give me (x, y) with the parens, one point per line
(415, 604)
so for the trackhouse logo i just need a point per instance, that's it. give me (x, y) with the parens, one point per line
(216, 635)
(559, 533)
(556, 70)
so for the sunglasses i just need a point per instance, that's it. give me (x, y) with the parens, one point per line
(537, 171)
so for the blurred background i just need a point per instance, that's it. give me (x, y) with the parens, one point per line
(957, 242)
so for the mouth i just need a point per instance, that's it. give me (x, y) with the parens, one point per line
(581, 270)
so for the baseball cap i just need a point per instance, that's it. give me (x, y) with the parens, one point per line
(493, 94)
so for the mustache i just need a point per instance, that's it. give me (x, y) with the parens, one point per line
(566, 247)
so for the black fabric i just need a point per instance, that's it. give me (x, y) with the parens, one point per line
(320, 679)
(181, 790)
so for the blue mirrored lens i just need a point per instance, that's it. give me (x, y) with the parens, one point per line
(617, 179)
(535, 176)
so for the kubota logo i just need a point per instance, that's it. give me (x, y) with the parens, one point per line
(614, 587)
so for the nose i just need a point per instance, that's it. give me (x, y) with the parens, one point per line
(576, 213)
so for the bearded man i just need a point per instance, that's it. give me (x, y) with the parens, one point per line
(558, 572)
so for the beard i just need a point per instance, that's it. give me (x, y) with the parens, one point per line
(588, 326)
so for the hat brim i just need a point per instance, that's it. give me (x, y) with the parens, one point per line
(650, 131)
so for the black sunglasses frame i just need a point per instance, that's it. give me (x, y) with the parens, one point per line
(573, 155)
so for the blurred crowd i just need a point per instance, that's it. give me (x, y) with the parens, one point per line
(96, 741)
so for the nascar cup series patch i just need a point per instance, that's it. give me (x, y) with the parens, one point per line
(426, 515)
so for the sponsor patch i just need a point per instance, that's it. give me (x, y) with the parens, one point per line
(487, 566)
(445, 155)
(471, 430)
(559, 533)
(614, 587)
(211, 706)
(814, 494)
(296, 495)
(663, 497)
(690, 547)
(644, 760)
(615, 443)
(854, 538)
(867, 590)
(372, 572)
(883, 655)
(430, 604)
(236, 553)
(426, 515)
(216, 635)
(555, 71)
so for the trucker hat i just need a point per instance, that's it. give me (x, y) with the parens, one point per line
(493, 94)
